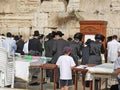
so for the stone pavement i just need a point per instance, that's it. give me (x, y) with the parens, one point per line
(47, 86)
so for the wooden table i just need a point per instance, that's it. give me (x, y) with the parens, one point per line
(102, 71)
(76, 70)
(46, 66)
(100, 76)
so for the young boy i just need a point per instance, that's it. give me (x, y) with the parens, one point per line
(65, 63)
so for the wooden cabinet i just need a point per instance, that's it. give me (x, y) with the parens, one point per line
(93, 27)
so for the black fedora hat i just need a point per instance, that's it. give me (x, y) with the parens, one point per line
(88, 41)
(78, 35)
(100, 37)
(59, 33)
(36, 33)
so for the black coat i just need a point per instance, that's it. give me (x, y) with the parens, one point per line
(48, 45)
(57, 49)
(35, 45)
(20, 45)
(76, 51)
(85, 55)
(96, 49)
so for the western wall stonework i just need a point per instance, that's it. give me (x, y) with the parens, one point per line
(25, 16)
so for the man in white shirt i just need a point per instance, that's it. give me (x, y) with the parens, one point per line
(10, 44)
(113, 47)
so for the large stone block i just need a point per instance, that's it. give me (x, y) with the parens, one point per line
(115, 6)
(40, 29)
(8, 6)
(49, 6)
(23, 31)
(53, 20)
(40, 20)
(73, 6)
(28, 6)
(74, 1)
(113, 31)
(47, 31)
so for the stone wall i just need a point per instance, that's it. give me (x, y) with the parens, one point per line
(25, 16)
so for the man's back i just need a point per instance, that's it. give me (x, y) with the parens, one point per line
(113, 47)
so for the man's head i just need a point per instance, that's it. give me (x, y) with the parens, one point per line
(9, 34)
(99, 37)
(114, 37)
(59, 35)
(78, 36)
(36, 33)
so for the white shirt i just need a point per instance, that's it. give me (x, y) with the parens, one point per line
(117, 65)
(10, 45)
(25, 48)
(65, 63)
(113, 47)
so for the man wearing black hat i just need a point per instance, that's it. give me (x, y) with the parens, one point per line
(48, 50)
(35, 49)
(34, 46)
(58, 46)
(96, 48)
(57, 50)
(49, 44)
(76, 47)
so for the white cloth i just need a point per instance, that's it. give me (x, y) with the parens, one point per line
(22, 67)
(106, 68)
(102, 68)
(113, 48)
(22, 70)
(25, 48)
(6, 68)
(65, 63)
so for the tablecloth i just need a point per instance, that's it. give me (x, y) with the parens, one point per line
(22, 66)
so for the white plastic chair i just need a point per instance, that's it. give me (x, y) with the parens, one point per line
(6, 68)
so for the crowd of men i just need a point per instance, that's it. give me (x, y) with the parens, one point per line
(52, 45)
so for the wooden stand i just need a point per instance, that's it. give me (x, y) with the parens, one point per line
(93, 27)
(47, 66)
(76, 70)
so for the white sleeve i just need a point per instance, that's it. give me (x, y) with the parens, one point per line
(72, 62)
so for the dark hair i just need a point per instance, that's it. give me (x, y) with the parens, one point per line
(9, 34)
(49, 36)
(69, 39)
(109, 38)
(41, 36)
(114, 37)
(53, 34)
(16, 37)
